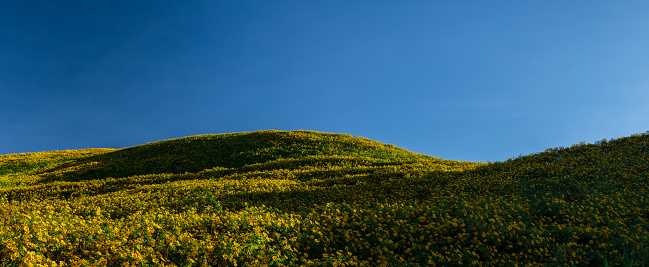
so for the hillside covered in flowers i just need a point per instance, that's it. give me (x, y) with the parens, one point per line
(303, 198)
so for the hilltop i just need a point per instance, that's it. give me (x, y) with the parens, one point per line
(198, 153)
(304, 154)
(310, 198)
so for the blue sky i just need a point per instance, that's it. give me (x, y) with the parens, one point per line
(463, 80)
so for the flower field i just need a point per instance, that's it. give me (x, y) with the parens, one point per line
(303, 198)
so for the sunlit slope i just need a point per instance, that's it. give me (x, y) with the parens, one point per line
(23, 168)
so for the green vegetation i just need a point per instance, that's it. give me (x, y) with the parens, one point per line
(302, 198)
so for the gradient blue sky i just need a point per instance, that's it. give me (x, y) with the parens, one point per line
(464, 80)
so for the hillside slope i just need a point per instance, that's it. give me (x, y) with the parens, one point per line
(197, 153)
(307, 198)
(302, 155)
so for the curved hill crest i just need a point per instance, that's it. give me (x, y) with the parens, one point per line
(234, 150)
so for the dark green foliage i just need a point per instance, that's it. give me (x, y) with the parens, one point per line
(324, 199)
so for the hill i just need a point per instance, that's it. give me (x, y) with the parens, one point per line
(308, 198)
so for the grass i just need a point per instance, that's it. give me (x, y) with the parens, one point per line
(305, 198)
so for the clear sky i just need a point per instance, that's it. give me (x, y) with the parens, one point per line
(463, 80)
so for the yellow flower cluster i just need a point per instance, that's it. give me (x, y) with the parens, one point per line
(274, 198)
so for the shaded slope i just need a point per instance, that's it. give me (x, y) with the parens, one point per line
(569, 172)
